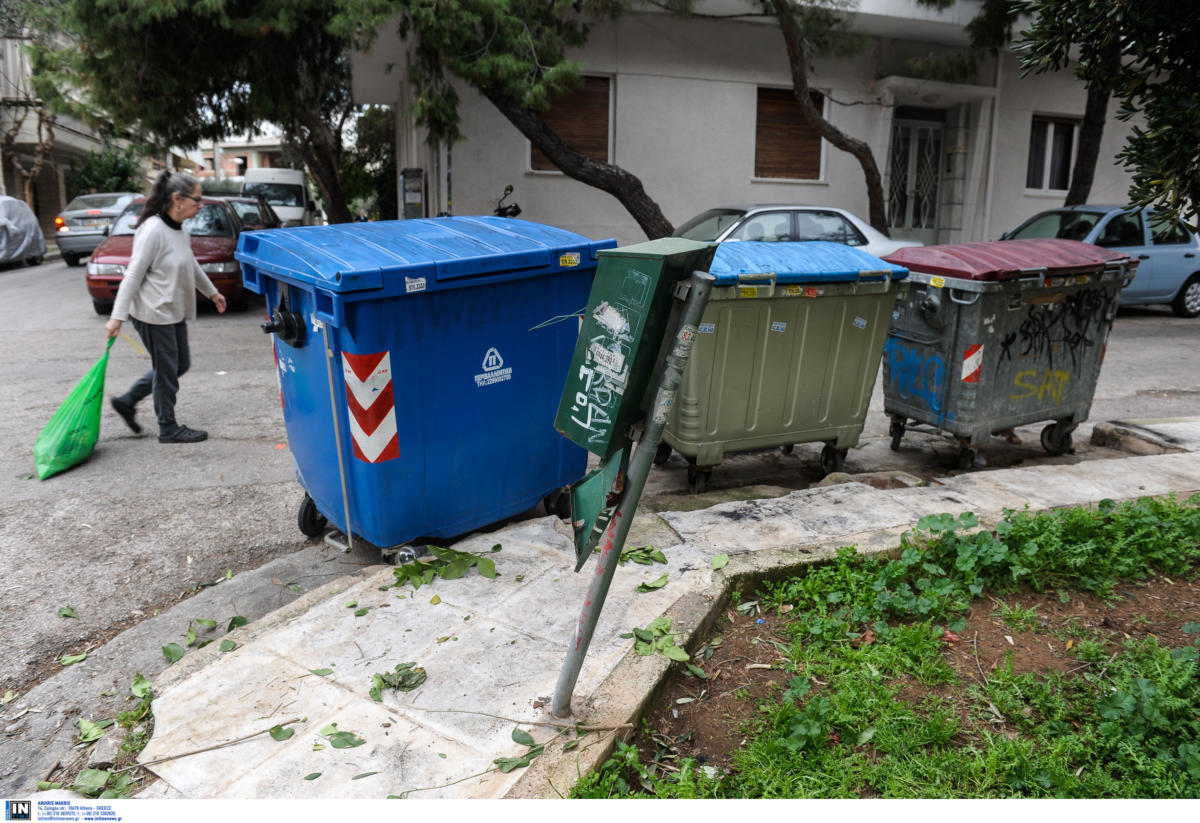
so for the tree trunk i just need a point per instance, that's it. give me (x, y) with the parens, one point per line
(322, 150)
(799, 57)
(626, 187)
(1091, 130)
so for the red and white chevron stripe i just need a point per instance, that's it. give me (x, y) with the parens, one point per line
(972, 363)
(372, 406)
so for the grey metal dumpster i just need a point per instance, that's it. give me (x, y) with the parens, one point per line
(996, 335)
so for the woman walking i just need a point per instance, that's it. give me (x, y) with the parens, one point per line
(159, 295)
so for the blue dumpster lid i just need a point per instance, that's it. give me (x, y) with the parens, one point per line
(403, 256)
(812, 261)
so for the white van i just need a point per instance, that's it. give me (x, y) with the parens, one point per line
(287, 192)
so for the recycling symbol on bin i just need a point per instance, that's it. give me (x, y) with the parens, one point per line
(494, 370)
(492, 360)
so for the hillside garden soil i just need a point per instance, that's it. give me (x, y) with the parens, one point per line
(708, 720)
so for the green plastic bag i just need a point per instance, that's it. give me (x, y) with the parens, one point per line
(72, 432)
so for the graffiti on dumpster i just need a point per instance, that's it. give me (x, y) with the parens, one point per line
(1072, 322)
(916, 375)
(1043, 383)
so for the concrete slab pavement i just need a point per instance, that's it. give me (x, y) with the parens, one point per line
(492, 649)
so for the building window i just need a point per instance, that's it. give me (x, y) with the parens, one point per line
(1051, 153)
(784, 145)
(580, 118)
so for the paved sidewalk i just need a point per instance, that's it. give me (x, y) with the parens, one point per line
(493, 649)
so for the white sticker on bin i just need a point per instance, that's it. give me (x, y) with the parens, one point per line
(778, 326)
(860, 322)
(608, 362)
(412, 284)
(707, 328)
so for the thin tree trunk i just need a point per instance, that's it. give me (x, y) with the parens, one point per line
(1091, 131)
(319, 146)
(618, 182)
(799, 57)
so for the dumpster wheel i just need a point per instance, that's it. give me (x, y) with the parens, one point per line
(558, 503)
(698, 478)
(896, 430)
(662, 454)
(966, 458)
(787, 448)
(1055, 440)
(832, 459)
(310, 521)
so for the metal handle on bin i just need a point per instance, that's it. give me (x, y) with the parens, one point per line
(887, 276)
(1028, 275)
(954, 299)
(748, 278)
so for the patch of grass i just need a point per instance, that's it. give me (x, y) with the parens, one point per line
(863, 630)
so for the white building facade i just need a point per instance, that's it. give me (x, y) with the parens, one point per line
(689, 106)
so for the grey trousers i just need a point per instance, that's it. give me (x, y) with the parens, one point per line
(170, 359)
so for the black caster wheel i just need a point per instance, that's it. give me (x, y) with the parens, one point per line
(558, 503)
(896, 430)
(311, 522)
(966, 459)
(662, 454)
(1056, 441)
(832, 460)
(787, 449)
(698, 479)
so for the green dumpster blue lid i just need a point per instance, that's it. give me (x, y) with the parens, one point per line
(814, 261)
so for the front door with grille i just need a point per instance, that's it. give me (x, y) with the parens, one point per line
(915, 161)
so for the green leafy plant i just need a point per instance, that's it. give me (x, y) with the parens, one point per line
(405, 678)
(657, 637)
(644, 555)
(448, 564)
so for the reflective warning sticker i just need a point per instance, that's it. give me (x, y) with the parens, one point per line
(569, 260)
(972, 363)
(371, 405)
(793, 291)
(937, 282)
(749, 291)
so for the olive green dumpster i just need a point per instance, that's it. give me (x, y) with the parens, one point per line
(787, 352)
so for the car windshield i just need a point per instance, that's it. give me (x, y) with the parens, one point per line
(248, 213)
(277, 194)
(1064, 225)
(211, 221)
(707, 226)
(95, 201)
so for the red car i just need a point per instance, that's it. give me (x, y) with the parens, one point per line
(214, 232)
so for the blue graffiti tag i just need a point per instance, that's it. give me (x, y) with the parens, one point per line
(915, 375)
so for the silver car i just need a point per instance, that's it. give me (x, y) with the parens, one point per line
(789, 223)
(85, 222)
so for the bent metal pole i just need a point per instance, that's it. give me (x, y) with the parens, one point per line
(613, 541)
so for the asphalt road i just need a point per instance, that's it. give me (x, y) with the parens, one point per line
(142, 525)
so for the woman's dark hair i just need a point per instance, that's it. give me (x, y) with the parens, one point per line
(168, 183)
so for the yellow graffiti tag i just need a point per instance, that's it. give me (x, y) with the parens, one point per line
(1052, 382)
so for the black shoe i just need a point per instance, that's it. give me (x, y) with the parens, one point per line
(182, 434)
(127, 412)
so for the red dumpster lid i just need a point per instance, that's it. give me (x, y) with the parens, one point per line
(1005, 260)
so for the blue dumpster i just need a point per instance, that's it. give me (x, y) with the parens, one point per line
(418, 376)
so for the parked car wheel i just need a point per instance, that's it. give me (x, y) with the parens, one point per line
(102, 307)
(71, 259)
(1187, 302)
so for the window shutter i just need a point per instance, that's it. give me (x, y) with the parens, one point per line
(784, 145)
(580, 118)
